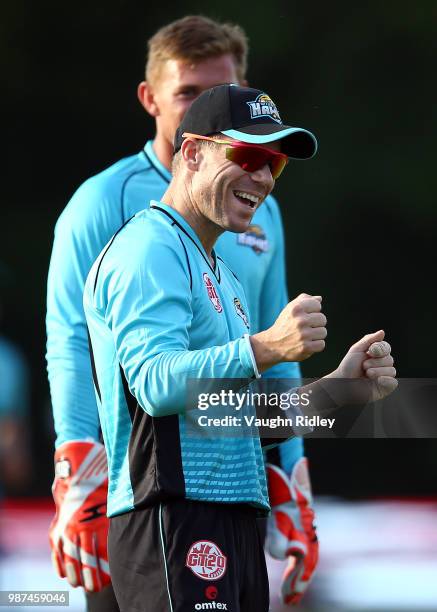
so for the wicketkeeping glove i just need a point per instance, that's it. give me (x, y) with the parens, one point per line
(290, 528)
(79, 532)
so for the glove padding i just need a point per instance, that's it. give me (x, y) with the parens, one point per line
(79, 532)
(290, 528)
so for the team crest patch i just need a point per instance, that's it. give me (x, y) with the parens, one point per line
(212, 293)
(240, 312)
(255, 238)
(264, 106)
(206, 560)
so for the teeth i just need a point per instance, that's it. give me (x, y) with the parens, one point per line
(247, 196)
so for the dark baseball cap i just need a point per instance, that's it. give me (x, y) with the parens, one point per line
(246, 114)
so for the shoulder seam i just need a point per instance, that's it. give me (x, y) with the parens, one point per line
(123, 188)
(175, 222)
(188, 261)
(106, 250)
(152, 165)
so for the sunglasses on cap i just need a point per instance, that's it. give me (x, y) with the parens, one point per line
(250, 157)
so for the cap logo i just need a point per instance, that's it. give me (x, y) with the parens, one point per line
(264, 106)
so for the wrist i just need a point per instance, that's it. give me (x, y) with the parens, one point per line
(335, 391)
(265, 353)
(326, 396)
(73, 445)
(79, 454)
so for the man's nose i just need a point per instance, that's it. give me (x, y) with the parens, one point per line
(263, 175)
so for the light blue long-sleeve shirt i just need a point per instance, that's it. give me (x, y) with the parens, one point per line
(159, 314)
(95, 212)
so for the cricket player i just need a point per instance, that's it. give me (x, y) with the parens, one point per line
(161, 308)
(185, 58)
(15, 459)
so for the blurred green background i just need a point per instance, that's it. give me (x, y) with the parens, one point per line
(360, 218)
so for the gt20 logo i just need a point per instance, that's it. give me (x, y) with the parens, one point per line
(206, 560)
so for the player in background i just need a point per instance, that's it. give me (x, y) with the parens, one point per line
(15, 459)
(185, 58)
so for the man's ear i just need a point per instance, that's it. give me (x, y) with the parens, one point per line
(147, 98)
(191, 153)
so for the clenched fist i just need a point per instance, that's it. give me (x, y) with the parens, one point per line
(370, 358)
(298, 332)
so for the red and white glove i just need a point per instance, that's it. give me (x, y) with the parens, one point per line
(79, 532)
(290, 528)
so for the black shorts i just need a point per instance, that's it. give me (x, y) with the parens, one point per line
(103, 601)
(184, 556)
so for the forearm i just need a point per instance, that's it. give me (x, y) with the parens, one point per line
(267, 352)
(83, 229)
(161, 384)
(332, 392)
(73, 399)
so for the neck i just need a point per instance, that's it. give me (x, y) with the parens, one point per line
(163, 150)
(179, 197)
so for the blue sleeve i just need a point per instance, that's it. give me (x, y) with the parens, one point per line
(148, 308)
(274, 297)
(91, 217)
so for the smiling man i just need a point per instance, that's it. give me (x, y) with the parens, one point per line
(185, 57)
(162, 308)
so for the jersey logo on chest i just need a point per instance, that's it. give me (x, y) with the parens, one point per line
(212, 293)
(255, 238)
(240, 312)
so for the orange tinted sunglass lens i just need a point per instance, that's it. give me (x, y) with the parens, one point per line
(277, 165)
(253, 158)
